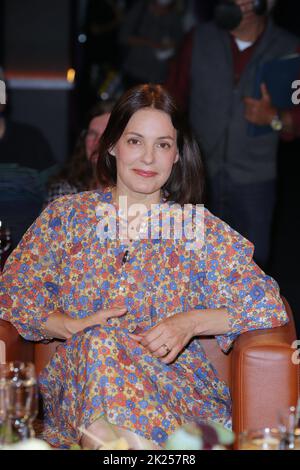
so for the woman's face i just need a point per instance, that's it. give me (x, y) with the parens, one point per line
(146, 152)
(95, 130)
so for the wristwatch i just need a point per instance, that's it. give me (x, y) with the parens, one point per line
(276, 123)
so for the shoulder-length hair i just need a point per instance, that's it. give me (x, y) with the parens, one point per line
(186, 181)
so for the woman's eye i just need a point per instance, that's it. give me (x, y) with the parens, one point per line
(164, 145)
(133, 141)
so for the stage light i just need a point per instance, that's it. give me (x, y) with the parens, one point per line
(71, 75)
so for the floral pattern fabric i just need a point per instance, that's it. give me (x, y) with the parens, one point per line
(62, 265)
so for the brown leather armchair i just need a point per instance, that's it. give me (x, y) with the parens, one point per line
(259, 369)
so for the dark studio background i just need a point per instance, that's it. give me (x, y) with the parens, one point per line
(40, 40)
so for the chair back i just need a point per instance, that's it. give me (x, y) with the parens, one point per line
(43, 354)
(221, 361)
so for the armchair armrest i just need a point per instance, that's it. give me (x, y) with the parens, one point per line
(264, 378)
(12, 345)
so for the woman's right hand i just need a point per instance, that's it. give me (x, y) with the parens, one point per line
(102, 316)
(61, 326)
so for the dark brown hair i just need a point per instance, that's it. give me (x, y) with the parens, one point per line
(78, 170)
(186, 181)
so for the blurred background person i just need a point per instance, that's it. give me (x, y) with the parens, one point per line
(216, 74)
(26, 164)
(285, 259)
(78, 174)
(23, 144)
(101, 63)
(103, 21)
(196, 12)
(149, 35)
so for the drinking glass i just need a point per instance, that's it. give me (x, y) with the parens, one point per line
(20, 399)
(3, 405)
(289, 425)
(260, 439)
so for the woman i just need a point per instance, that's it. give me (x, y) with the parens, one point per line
(79, 173)
(130, 307)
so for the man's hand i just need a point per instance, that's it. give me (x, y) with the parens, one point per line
(260, 112)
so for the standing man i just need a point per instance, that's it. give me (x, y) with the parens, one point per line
(241, 170)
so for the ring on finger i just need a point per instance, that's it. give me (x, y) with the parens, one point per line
(167, 349)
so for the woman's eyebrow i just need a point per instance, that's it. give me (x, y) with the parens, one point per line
(140, 135)
(166, 137)
(134, 133)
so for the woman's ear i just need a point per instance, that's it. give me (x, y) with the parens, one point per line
(176, 158)
(112, 151)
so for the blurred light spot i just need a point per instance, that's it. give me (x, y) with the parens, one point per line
(71, 75)
(104, 96)
(82, 38)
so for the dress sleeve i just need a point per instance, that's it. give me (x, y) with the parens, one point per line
(236, 283)
(29, 284)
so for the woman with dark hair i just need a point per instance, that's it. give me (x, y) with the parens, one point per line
(102, 271)
(185, 183)
(78, 174)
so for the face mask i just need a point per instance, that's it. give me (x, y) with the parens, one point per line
(228, 15)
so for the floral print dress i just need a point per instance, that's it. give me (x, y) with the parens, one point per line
(63, 265)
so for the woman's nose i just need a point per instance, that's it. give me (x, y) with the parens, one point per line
(148, 155)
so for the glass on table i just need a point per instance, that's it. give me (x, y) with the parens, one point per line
(3, 404)
(19, 400)
(289, 425)
(260, 439)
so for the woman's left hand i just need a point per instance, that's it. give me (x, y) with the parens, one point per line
(168, 338)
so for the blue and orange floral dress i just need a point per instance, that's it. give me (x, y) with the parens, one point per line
(63, 265)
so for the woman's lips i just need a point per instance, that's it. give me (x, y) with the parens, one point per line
(145, 174)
